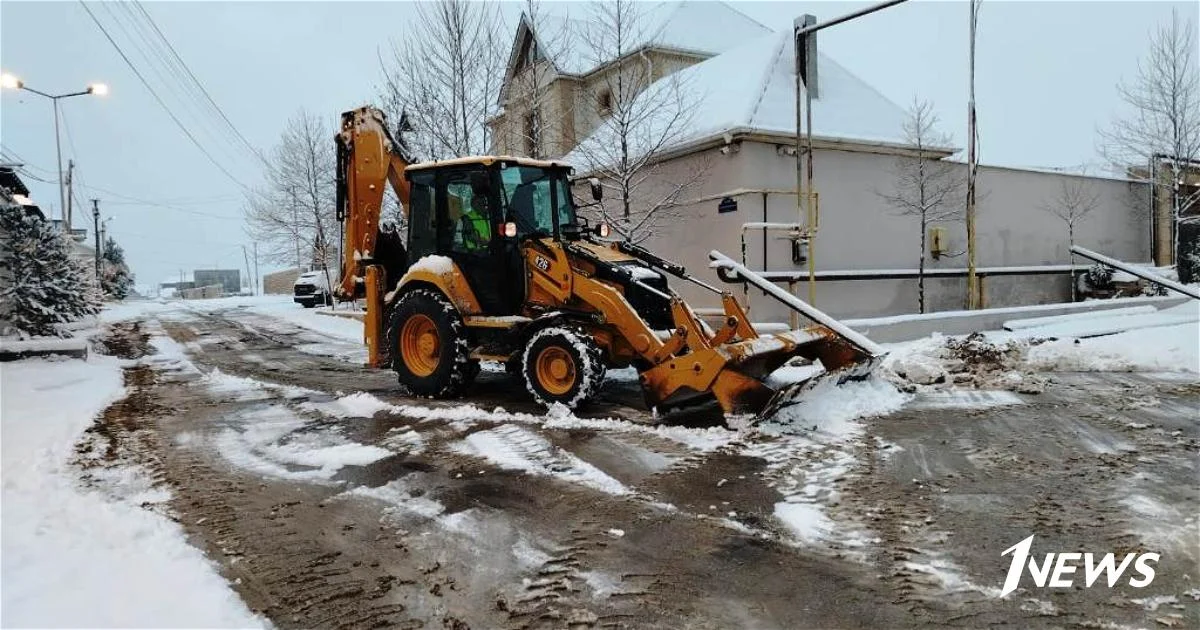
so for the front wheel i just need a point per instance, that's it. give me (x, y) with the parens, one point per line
(429, 349)
(563, 366)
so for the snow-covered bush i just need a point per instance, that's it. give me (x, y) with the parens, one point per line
(43, 285)
(1099, 277)
(115, 278)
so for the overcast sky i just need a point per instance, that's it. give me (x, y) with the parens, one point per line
(1046, 77)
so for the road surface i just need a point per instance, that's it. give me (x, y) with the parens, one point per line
(325, 507)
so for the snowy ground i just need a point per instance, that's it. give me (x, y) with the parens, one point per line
(326, 498)
(75, 556)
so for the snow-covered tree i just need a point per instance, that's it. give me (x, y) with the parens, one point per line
(115, 278)
(45, 285)
(442, 79)
(642, 115)
(293, 215)
(1160, 137)
(1074, 201)
(926, 187)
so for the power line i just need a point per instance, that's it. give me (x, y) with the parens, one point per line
(188, 101)
(147, 202)
(145, 83)
(200, 85)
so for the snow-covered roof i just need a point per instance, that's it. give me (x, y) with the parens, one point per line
(701, 27)
(752, 88)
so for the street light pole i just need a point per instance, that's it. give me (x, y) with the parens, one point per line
(96, 232)
(99, 89)
(62, 191)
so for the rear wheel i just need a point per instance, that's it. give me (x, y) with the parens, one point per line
(429, 349)
(564, 366)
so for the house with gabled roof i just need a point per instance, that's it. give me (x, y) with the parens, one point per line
(741, 134)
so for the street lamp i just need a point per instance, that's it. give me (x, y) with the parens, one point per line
(99, 89)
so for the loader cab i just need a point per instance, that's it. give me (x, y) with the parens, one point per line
(478, 211)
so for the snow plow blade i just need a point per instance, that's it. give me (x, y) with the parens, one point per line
(845, 354)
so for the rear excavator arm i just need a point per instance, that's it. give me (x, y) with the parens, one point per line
(367, 158)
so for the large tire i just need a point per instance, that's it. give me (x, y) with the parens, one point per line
(562, 366)
(428, 343)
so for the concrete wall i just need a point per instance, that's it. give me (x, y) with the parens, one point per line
(203, 293)
(230, 279)
(280, 282)
(858, 230)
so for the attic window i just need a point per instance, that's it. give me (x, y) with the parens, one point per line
(604, 102)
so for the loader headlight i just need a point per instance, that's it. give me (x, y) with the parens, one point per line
(510, 229)
(603, 230)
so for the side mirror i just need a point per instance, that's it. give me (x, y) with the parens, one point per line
(597, 191)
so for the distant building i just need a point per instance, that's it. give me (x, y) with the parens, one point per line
(229, 279)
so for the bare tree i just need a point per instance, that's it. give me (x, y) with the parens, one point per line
(1074, 201)
(293, 214)
(926, 187)
(1163, 130)
(527, 95)
(642, 114)
(442, 79)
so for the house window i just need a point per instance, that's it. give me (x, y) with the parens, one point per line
(604, 102)
(532, 133)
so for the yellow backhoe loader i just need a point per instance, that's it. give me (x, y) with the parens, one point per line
(497, 266)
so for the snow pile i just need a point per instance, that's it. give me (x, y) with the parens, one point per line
(1165, 341)
(275, 442)
(238, 387)
(830, 410)
(464, 416)
(77, 558)
(1166, 349)
(133, 309)
(804, 520)
(512, 447)
(356, 405)
(974, 361)
(397, 494)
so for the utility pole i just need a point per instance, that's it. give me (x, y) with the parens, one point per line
(804, 39)
(972, 132)
(96, 233)
(70, 179)
(257, 278)
(246, 259)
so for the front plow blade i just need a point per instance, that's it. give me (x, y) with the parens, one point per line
(739, 387)
(794, 393)
(845, 354)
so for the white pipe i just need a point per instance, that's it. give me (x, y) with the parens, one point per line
(795, 303)
(1141, 273)
(766, 225)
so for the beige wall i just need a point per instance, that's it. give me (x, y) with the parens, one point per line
(569, 104)
(859, 231)
(280, 282)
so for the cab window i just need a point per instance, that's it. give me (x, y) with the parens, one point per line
(468, 216)
(527, 191)
(422, 227)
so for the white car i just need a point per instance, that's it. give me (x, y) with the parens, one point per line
(311, 289)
